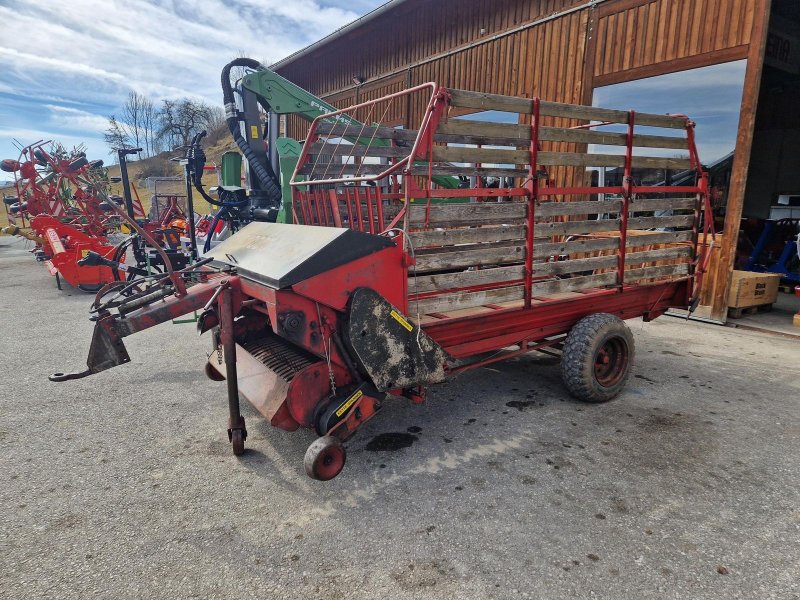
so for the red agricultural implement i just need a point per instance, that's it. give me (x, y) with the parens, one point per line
(382, 289)
(60, 196)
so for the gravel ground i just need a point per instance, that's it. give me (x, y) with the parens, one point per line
(122, 485)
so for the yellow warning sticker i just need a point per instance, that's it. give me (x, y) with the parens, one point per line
(348, 403)
(402, 320)
(254, 131)
(84, 253)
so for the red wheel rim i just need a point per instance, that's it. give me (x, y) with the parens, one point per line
(329, 463)
(611, 362)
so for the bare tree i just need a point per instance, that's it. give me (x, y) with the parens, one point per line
(181, 119)
(149, 121)
(135, 127)
(132, 118)
(216, 118)
(115, 136)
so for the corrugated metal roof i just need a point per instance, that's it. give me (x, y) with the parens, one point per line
(339, 32)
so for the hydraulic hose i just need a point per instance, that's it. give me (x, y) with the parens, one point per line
(211, 230)
(197, 161)
(263, 172)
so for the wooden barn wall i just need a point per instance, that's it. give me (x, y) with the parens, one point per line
(643, 38)
(561, 58)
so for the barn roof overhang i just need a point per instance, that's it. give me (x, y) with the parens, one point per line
(361, 21)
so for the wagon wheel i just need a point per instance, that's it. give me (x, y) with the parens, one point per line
(597, 357)
(324, 458)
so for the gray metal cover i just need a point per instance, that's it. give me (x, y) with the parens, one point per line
(280, 255)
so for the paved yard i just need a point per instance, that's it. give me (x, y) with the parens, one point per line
(123, 485)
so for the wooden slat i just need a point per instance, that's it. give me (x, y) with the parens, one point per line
(576, 227)
(333, 149)
(484, 101)
(572, 159)
(458, 154)
(448, 281)
(656, 222)
(334, 170)
(556, 286)
(469, 171)
(500, 134)
(472, 235)
(575, 265)
(658, 237)
(460, 300)
(591, 113)
(574, 247)
(634, 258)
(660, 141)
(476, 256)
(582, 136)
(593, 207)
(648, 204)
(586, 227)
(635, 275)
(497, 132)
(607, 138)
(476, 213)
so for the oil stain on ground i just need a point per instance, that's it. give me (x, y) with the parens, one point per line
(391, 441)
(521, 405)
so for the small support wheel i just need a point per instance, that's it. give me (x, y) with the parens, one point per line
(237, 441)
(213, 374)
(597, 357)
(324, 458)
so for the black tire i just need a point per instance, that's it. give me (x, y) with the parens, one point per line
(76, 164)
(237, 441)
(597, 358)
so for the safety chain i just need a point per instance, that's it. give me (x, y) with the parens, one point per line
(326, 346)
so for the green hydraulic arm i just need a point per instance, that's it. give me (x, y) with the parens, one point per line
(279, 96)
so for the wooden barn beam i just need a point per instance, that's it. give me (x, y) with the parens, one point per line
(741, 161)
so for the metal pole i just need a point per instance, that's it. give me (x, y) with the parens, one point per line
(123, 171)
(190, 209)
(237, 432)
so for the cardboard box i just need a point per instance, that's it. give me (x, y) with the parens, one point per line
(753, 289)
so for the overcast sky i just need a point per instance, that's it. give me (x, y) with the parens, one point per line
(66, 66)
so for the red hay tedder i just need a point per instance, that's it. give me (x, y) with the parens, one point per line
(389, 283)
(58, 197)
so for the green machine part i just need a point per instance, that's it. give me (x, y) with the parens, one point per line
(231, 169)
(288, 153)
(281, 96)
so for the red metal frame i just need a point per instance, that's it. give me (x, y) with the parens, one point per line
(417, 150)
(530, 323)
